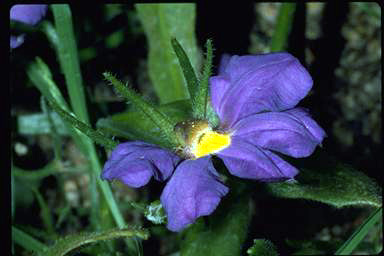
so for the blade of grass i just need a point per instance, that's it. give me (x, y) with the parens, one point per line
(283, 27)
(40, 75)
(46, 215)
(357, 236)
(69, 61)
(26, 241)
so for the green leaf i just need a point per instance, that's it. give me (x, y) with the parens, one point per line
(133, 125)
(186, 66)
(160, 22)
(41, 76)
(332, 183)
(34, 124)
(71, 242)
(283, 27)
(262, 247)
(225, 231)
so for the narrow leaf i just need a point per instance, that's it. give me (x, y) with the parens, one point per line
(69, 60)
(71, 242)
(186, 66)
(158, 118)
(200, 102)
(357, 236)
(26, 241)
(40, 75)
(96, 136)
(283, 27)
(160, 25)
(46, 214)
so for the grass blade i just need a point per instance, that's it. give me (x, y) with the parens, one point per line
(69, 61)
(283, 27)
(26, 241)
(357, 236)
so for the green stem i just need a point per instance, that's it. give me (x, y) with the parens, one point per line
(283, 27)
(357, 236)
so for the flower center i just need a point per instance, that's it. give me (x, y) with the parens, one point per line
(211, 142)
(200, 139)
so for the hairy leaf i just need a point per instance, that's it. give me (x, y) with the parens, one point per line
(332, 183)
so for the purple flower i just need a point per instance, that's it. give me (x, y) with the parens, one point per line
(30, 14)
(255, 98)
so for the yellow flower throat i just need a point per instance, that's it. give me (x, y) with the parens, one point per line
(211, 142)
(201, 140)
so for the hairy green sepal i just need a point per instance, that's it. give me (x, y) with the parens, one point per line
(158, 118)
(198, 89)
(200, 102)
(133, 125)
